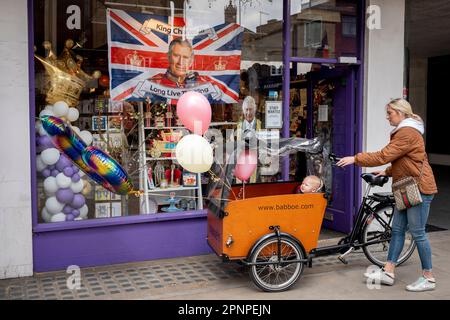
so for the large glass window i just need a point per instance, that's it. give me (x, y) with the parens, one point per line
(108, 75)
(324, 28)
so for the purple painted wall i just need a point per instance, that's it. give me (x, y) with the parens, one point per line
(56, 250)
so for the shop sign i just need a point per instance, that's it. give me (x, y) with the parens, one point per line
(274, 114)
(323, 113)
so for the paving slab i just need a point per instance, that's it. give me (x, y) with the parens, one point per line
(206, 277)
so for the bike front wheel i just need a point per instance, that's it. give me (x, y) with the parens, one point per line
(378, 227)
(277, 275)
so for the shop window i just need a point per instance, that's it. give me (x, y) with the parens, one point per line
(106, 78)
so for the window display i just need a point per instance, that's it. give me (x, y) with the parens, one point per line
(113, 89)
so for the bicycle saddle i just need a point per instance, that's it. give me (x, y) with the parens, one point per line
(373, 180)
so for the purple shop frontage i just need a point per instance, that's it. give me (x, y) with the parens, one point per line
(321, 61)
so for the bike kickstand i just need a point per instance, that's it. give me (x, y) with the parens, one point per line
(342, 256)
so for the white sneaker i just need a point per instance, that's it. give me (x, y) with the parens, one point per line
(422, 284)
(381, 277)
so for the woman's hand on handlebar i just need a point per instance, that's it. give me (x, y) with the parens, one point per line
(379, 173)
(346, 161)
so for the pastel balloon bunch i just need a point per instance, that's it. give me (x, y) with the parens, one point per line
(193, 151)
(97, 164)
(64, 187)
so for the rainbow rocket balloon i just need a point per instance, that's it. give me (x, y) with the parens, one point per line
(113, 174)
(95, 163)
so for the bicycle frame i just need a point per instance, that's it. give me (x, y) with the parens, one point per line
(351, 241)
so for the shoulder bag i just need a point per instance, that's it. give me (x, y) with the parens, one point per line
(406, 191)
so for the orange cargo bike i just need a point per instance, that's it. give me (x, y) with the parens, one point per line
(275, 231)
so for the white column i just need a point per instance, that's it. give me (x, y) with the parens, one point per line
(384, 64)
(16, 259)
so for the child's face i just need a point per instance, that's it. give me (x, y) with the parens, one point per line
(308, 185)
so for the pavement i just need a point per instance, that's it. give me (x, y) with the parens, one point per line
(206, 277)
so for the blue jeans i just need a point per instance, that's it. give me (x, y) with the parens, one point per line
(413, 219)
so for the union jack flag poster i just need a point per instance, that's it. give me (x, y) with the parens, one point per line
(140, 66)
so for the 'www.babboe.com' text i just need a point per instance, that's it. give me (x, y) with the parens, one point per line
(286, 207)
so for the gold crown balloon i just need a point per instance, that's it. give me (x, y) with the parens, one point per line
(66, 79)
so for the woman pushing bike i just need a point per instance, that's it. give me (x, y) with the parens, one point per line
(406, 154)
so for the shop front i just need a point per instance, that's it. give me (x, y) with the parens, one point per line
(114, 72)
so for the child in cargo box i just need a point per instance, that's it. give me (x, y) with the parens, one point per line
(310, 184)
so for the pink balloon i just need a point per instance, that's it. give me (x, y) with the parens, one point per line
(194, 112)
(246, 164)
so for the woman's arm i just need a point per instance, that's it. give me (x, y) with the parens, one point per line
(399, 145)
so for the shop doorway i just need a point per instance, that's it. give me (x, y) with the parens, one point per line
(329, 113)
(427, 65)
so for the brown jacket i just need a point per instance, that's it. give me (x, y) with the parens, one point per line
(405, 152)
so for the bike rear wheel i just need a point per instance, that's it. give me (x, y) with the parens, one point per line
(378, 226)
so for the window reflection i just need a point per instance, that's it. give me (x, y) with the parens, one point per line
(323, 28)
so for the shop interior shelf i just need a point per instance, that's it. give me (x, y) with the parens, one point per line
(163, 158)
(171, 189)
(158, 128)
(213, 124)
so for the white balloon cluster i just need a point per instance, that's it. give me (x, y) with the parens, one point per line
(63, 185)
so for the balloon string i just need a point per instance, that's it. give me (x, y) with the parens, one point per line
(227, 181)
(214, 176)
(240, 193)
(225, 176)
(137, 193)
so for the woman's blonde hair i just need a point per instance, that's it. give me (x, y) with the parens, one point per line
(403, 106)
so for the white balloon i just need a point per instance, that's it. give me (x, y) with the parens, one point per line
(49, 107)
(50, 156)
(46, 112)
(42, 131)
(194, 153)
(73, 114)
(63, 181)
(50, 186)
(38, 125)
(45, 215)
(77, 187)
(83, 212)
(60, 109)
(86, 136)
(53, 206)
(40, 165)
(59, 217)
(76, 129)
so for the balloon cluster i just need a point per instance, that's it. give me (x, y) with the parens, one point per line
(63, 183)
(193, 151)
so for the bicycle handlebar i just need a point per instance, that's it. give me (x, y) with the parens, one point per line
(333, 158)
